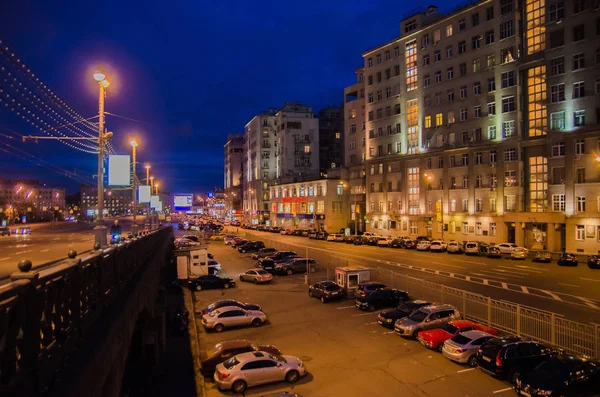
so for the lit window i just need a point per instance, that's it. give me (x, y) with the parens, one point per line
(579, 118)
(439, 119)
(307, 149)
(580, 232)
(535, 22)
(427, 121)
(448, 30)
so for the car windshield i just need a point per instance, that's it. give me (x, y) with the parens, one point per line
(418, 316)
(449, 328)
(471, 245)
(460, 339)
(232, 362)
(332, 287)
(263, 272)
(554, 367)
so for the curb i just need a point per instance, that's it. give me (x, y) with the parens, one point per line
(194, 342)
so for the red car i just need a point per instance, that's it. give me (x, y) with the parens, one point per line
(435, 338)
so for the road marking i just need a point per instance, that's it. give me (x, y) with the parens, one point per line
(476, 263)
(444, 264)
(467, 278)
(522, 271)
(569, 285)
(524, 289)
(465, 370)
(490, 276)
(22, 252)
(345, 307)
(532, 267)
(389, 332)
(552, 294)
(45, 250)
(363, 314)
(589, 279)
(5, 258)
(485, 282)
(503, 390)
(504, 285)
(374, 322)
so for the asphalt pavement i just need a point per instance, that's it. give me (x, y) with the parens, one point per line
(346, 352)
(573, 292)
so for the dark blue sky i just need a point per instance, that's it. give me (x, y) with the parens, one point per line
(193, 71)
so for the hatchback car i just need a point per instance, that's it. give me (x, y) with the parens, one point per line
(332, 237)
(435, 338)
(225, 350)
(438, 246)
(410, 244)
(384, 241)
(232, 316)
(423, 245)
(325, 291)
(594, 261)
(389, 317)
(385, 297)
(519, 253)
(365, 289)
(463, 348)
(472, 248)
(257, 276)
(425, 318)
(567, 259)
(257, 368)
(494, 252)
(543, 256)
(455, 247)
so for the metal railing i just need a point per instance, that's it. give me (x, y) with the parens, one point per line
(46, 314)
(506, 317)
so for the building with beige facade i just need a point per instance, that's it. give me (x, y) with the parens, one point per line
(483, 125)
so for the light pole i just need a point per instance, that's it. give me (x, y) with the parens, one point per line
(156, 186)
(134, 225)
(429, 178)
(100, 229)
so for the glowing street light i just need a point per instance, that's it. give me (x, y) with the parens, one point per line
(134, 225)
(100, 229)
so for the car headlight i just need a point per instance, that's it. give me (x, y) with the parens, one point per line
(388, 320)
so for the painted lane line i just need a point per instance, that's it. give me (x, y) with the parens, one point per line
(492, 273)
(532, 267)
(389, 332)
(552, 294)
(589, 279)
(504, 286)
(524, 289)
(363, 314)
(476, 263)
(5, 258)
(519, 271)
(444, 264)
(45, 250)
(345, 307)
(22, 252)
(467, 278)
(489, 275)
(465, 370)
(374, 322)
(503, 390)
(569, 285)
(485, 282)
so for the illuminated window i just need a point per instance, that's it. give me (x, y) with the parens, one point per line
(439, 119)
(451, 119)
(413, 191)
(412, 118)
(427, 121)
(411, 65)
(508, 54)
(536, 101)
(448, 30)
(535, 16)
(557, 121)
(307, 149)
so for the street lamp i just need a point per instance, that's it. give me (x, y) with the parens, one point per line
(134, 225)
(100, 229)
(156, 185)
(429, 178)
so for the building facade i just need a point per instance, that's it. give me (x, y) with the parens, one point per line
(233, 173)
(30, 199)
(331, 139)
(313, 204)
(463, 140)
(116, 201)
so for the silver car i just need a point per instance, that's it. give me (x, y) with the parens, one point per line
(257, 276)
(427, 317)
(232, 316)
(257, 368)
(519, 253)
(463, 347)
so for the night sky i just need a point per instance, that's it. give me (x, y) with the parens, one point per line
(190, 71)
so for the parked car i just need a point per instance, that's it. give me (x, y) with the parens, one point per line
(365, 289)
(435, 338)
(472, 248)
(567, 259)
(257, 276)
(563, 375)
(229, 239)
(483, 248)
(304, 233)
(211, 281)
(213, 266)
(232, 316)
(296, 265)
(389, 317)
(191, 237)
(332, 237)
(325, 291)
(229, 302)
(278, 256)
(384, 241)
(543, 256)
(506, 357)
(339, 238)
(410, 244)
(359, 240)
(427, 317)
(251, 246)
(238, 243)
(285, 232)
(594, 261)
(312, 235)
(321, 236)
(421, 238)
(494, 252)
(438, 246)
(381, 298)
(4, 231)
(226, 349)
(398, 242)
(423, 245)
(463, 348)
(263, 253)
(506, 248)
(455, 247)
(350, 239)
(257, 368)
(519, 253)
(369, 234)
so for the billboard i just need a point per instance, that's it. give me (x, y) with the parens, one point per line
(182, 201)
(159, 206)
(144, 194)
(119, 170)
(154, 200)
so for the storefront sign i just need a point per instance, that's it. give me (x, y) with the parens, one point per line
(301, 216)
(294, 199)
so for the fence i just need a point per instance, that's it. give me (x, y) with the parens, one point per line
(506, 317)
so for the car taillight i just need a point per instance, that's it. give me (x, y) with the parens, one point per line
(262, 277)
(499, 362)
(223, 376)
(460, 351)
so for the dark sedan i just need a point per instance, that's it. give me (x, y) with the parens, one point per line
(388, 318)
(229, 302)
(410, 244)
(251, 246)
(236, 244)
(594, 261)
(381, 298)
(225, 350)
(494, 252)
(263, 253)
(295, 265)
(210, 281)
(567, 259)
(325, 291)
(397, 243)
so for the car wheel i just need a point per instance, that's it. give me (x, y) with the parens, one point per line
(239, 386)
(472, 362)
(292, 376)
(289, 272)
(512, 376)
(226, 286)
(322, 299)
(256, 322)
(198, 287)
(255, 281)
(440, 347)
(241, 278)
(219, 327)
(371, 308)
(310, 293)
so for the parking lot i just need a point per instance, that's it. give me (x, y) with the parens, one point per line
(346, 351)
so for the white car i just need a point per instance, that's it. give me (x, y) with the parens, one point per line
(472, 248)
(228, 239)
(506, 248)
(455, 247)
(214, 265)
(369, 234)
(438, 246)
(519, 253)
(232, 316)
(384, 241)
(331, 237)
(339, 237)
(423, 245)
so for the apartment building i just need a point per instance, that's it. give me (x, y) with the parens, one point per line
(355, 145)
(457, 118)
(116, 201)
(233, 173)
(30, 199)
(331, 139)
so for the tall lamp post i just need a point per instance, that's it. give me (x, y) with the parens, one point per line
(100, 229)
(134, 225)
